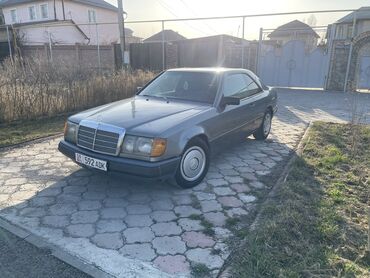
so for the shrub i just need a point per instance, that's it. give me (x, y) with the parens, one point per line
(37, 88)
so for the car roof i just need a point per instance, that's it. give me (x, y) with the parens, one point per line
(219, 69)
(209, 69)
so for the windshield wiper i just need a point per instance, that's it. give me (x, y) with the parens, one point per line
(164, 97)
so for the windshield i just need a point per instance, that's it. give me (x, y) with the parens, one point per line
(193, 86)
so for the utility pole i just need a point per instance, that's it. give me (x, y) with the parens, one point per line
(121, 26)
(55, 11)
(64, 13)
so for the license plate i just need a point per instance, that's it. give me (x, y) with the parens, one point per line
(91, 162)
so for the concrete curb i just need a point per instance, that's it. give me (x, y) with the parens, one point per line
(226, 273)
(54, 250)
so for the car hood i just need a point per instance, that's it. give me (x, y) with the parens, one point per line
(155, 114)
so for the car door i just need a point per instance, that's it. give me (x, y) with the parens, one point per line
(257, 102)
(235, 117)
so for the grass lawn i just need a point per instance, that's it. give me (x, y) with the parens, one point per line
(28, 130)
(316, 225)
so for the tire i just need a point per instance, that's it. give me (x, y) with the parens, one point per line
(194, 164)
(264, 130)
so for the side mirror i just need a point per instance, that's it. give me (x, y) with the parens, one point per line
(230, 101)
(138, 89)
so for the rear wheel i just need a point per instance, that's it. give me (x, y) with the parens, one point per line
(193, 165)
(264, 130)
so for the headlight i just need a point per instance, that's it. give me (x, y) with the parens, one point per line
(143, 146)
(70, 132)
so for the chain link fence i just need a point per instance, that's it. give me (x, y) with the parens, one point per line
(288, 55)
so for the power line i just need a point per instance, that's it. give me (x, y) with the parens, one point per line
(241, 16)
(195, 14)
(165, 6)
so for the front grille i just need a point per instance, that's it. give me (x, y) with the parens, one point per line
(99, 137)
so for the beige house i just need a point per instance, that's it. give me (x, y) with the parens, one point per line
(62, 21)
(295, 30)
(349, 42)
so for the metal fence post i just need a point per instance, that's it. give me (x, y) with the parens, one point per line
(258, 60)
(9, 44)
(350, 54)
(98, 44)
(50, 47)
(243, 28)
(330, 54)
(163, 46)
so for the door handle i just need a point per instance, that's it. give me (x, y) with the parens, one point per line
(252, 104)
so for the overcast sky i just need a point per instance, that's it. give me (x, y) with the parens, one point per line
(165, 9)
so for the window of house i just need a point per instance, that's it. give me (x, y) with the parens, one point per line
(44, 11)
(32, 12)
(349, 33)
(339, 32)
(92, 16)
(13, 15)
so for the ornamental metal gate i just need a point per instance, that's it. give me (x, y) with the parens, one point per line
(293, 65)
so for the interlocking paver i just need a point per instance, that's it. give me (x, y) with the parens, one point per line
(223, 191)
(164, 204)
(80, 230)
(247, 198)
(169, 245)
(110, 226)
(138, 235)
(63, 209)
(240, 188)
(84, 217)
(108, 240)
(204, 256)
(163, 216)
(166, 229)
(49, 194)
(257, 184)
(33, 212)
(173, 264)
(55, 221)
(109, 213)
(190, 224)
(138, 220)
(230, 201)
(216, 218)
(89, 205)
(197, 239)
(143, 251)
(186, 211)
(211, 205)
(138, 209)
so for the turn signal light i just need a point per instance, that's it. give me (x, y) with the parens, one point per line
(158, 147)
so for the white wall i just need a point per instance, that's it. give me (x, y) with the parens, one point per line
(75, 11)
(40, 35)
(363, 26)
(23, 14)
(79, 14)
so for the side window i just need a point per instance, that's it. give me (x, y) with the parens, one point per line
(235, 85)
(252, 87)
(239, 85)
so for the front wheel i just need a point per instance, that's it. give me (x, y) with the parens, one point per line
(264, 130)
(194, 164)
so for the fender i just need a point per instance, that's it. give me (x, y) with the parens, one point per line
(190, 133)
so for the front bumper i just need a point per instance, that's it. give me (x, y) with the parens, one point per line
(119, 165)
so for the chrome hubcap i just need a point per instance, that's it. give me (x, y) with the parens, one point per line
(193, 163)
(267, 124)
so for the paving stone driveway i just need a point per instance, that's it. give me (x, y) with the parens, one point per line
(133, 229)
